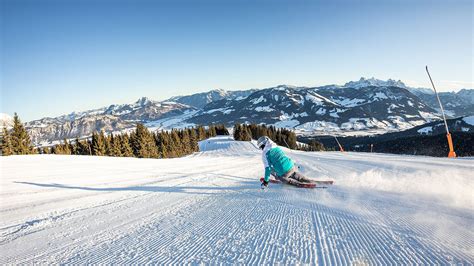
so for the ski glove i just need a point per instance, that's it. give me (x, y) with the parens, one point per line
(264, 184)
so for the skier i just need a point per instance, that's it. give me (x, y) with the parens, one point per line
(278, 164)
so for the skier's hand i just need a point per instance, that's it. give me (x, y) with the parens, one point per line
(264, 184)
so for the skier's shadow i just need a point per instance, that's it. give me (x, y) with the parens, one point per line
(203, 190)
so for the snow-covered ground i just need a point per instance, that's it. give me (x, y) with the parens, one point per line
(208, 208)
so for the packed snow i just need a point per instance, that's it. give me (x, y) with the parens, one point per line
(208, 208)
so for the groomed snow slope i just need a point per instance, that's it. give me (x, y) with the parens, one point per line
(208, 208)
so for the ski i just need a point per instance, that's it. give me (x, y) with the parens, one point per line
(306, 185)
(313, 184)
(325, 182)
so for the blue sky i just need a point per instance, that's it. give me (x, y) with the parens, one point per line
(71, 55)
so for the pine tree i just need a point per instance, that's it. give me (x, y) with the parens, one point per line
(75, 147)
(201, 133)
(316, 146)
(193, 140)
(174, 147)
(271, 133)
(85, 147)
(98, 144)
(144, 143)
(57, 149)
(164, 144)
(7, 148)
(236, 131)
(185, 140)
(245, 133)
(66, 148)
(115, 146)
(126, 149)
(20, 139)
(221, 130)
(292, 139)
(212, 131)
(107, 143)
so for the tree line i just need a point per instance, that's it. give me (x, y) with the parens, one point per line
(280, 136)
(140, 143)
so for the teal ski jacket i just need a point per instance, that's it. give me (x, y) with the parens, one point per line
(274, 159)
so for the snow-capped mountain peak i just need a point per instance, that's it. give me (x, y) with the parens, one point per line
(366, 104)
(143, 101)
(6, 120)
(363, 82)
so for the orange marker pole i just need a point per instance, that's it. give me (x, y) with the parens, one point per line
(451, 153)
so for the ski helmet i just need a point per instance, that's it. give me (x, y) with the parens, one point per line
(262, 141)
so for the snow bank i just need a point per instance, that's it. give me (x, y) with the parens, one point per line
(226, 145)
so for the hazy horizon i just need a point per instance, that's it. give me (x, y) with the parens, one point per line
(65, 56)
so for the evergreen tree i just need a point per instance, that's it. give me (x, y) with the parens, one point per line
(107, 143)
(98, 144)
(115, 146)
(85, 147)
(221, 130)
(291, 139)
(7, 148)
(193, 140)
(144, 143)
(271, 132)
(201, 133)
(57, 149)
(236, 131)
(316, 146)
(212, 131)
(175, 147)
(66, 149)
(20, 139)
(164, 144)
(246, 135)
(126, 148)
(186, 142)
(75, 147)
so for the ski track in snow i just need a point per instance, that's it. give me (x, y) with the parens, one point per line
(208, 208)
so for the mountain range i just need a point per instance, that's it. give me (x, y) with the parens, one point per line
(363, 107)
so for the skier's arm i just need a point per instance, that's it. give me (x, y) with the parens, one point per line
(267, 167)
(267, 173)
